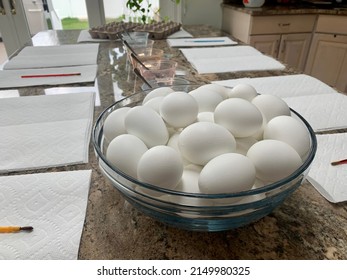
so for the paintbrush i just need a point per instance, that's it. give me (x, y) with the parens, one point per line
(11, 229)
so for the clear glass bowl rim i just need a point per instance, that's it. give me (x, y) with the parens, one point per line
(306, 164)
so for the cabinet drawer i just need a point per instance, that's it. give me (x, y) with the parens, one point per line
(332, 24)
(282, 24)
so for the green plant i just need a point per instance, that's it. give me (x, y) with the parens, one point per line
(143, 7)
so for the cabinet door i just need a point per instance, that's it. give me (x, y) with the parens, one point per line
(327, 60)
(13, 26)
(267, 44)
(294, 49)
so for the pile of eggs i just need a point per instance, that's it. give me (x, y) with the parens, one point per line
(211, 140)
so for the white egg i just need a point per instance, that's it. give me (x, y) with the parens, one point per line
(202, 141)
(160, 166)
(274, 160)
(190, 177)
(205, 117)
(244, 91)
(207, 99)
(155, 103)
(161, 91)
(189, 184)
(221, 90)
(179, 109)
(124, 152)
(291, 131)
(271, 106)
(239, 116)
(146, 124)
(243, 144)
(114, 123)
(227, 173)
(173, 143)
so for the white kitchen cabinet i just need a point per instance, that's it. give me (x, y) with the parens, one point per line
(327, 59)
(294, 48)
(285, 37)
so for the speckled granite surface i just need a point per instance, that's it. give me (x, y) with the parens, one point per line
(306, 226)
(297, 9)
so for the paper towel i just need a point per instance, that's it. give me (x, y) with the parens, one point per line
(324, 112)
(45, 131)
(54, 204)
(54, 56)
(283, 86)
(12, 78)
(229, 59)
(330, 181)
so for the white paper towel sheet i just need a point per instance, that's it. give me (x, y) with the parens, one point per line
(330, 181)
(283, 86)
(12, 78)
(229, 59)
(200, 42)
(9, 93)
(324, 112)
(45, 131)
(68, 90)
(54, 56)
(54, 204)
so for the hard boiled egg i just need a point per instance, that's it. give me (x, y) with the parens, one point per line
(146, 124)
(202, 141)
(273, 159)
(244, 91)
(161, 91)
(207, 99)
(271, 106)
(179, 109)
(289, 130)
(124, 152)
(227, 173)
(114, 123)
(239, 116)
(160, 166)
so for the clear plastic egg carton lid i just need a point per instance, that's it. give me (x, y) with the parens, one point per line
(197, 211)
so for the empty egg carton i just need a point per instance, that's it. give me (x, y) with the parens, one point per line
(159, 30)
(111, 30)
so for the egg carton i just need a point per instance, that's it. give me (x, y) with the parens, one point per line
(112, 30)
(159, 30)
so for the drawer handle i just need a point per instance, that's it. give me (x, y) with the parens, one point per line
(284, 24)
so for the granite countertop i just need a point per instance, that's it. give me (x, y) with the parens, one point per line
(297, 9)
(305, 226)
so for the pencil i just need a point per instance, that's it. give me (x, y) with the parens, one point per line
(344, 161)
(51, 75)
(10, 229)
(204, 41)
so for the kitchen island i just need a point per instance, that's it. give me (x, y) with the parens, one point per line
(305, 226)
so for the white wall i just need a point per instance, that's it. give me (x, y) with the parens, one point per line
(202, 12)
(77, 8)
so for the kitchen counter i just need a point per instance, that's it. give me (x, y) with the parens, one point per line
(305, 226)
(297, 9)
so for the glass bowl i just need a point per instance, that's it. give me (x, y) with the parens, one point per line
(162, 71)
(192, 211)
(146, 54)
